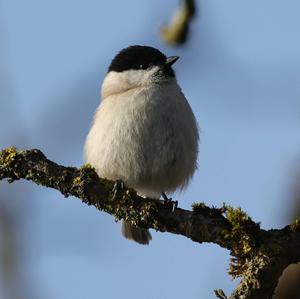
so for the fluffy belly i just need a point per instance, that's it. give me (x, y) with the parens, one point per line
(152, 150)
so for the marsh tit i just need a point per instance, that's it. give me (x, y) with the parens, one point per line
(144, 132)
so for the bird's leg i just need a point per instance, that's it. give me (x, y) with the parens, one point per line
(118, 186)
(169, 201)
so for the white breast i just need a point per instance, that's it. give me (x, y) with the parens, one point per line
(147, 137)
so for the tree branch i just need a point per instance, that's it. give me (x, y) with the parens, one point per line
(177, 31)
(258, 256)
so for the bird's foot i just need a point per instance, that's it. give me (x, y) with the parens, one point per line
(118, 186)
(169, 202)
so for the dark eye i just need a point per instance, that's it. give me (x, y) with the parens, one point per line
(144, 66)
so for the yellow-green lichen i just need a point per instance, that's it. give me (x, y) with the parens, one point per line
(88, 174)
(236, 217)
(242, 232)
(125, 206)
(87, 166)
(7, 156)
(81, 182)
(243, 239)
(295, 226)
(77, 180)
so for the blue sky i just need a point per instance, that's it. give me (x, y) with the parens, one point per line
(240, 71)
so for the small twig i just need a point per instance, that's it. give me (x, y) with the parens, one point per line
(176, 32)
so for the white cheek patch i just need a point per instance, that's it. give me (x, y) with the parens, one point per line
(118, 82)
(134, 77)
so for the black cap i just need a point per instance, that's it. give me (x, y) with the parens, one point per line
(140, 57)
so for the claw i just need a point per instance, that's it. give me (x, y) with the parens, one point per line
(169, 201)
(118, 186)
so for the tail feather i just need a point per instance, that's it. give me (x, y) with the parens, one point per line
(137, 234)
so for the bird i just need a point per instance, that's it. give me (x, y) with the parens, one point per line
(144, 132)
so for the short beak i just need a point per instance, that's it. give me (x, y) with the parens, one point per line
(171, 60)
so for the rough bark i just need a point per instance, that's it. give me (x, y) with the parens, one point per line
(258, 256)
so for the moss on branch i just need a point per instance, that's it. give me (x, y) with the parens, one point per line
(258, 256)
